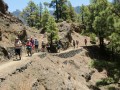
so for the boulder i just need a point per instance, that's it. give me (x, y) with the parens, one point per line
(4, 52)
(3, 7)
(87, 76)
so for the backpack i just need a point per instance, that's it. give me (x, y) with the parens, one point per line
(36, 42)
(28, 44)
(32, 41)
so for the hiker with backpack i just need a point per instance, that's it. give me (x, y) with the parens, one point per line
(85, 41)
(29, 47)
(33, 42)
(48, 47)
(18, 47)
(58, 46)
(43, 46)
(36, 45)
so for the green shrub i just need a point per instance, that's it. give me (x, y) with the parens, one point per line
(101, 83)
(60, 20)
(105, 81)
(93, 38)
(111, 88)
(34, 28)
(68, 21)
(98, 64)
(103, 64)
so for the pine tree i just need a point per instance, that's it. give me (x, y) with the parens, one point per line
(30, 13)
(40, 11)
(97, 20)
(54, 4)
(52, 30)
(114, 39)
(61, 9)
(46, 4)
(45, 17)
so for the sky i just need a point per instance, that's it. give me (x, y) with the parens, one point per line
(21, 4)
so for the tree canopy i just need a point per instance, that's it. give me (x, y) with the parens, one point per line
(101, 18)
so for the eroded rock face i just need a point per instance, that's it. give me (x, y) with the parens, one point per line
(3, 7)
(77, 27)
(65, 34)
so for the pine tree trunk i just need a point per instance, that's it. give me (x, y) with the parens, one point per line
(57, 11)
(101, 39)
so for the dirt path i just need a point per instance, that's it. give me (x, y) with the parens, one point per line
(9, 67)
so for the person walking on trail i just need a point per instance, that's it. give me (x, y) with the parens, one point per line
(85, 41)
(36, 45)
(74, 43)
(58, 46)
(48, 47)
(18, 47)
(33, 43)
(29, 47)
(43, 46)
(77, 43)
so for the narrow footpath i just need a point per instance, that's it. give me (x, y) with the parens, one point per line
(11, 66)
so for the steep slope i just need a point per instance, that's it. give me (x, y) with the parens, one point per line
(11, 27)
(48, 73)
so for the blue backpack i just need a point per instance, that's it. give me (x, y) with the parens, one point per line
(36, 42)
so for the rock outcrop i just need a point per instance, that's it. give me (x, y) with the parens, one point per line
(65, 34)
(4, 52)
(3, 7)
(77, 27)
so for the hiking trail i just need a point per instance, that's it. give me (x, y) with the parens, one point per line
(11, 66)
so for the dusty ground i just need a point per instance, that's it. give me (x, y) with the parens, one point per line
(48, 73)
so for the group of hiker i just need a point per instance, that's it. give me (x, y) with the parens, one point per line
(33, 44)
(76, 43)
(30, 44)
